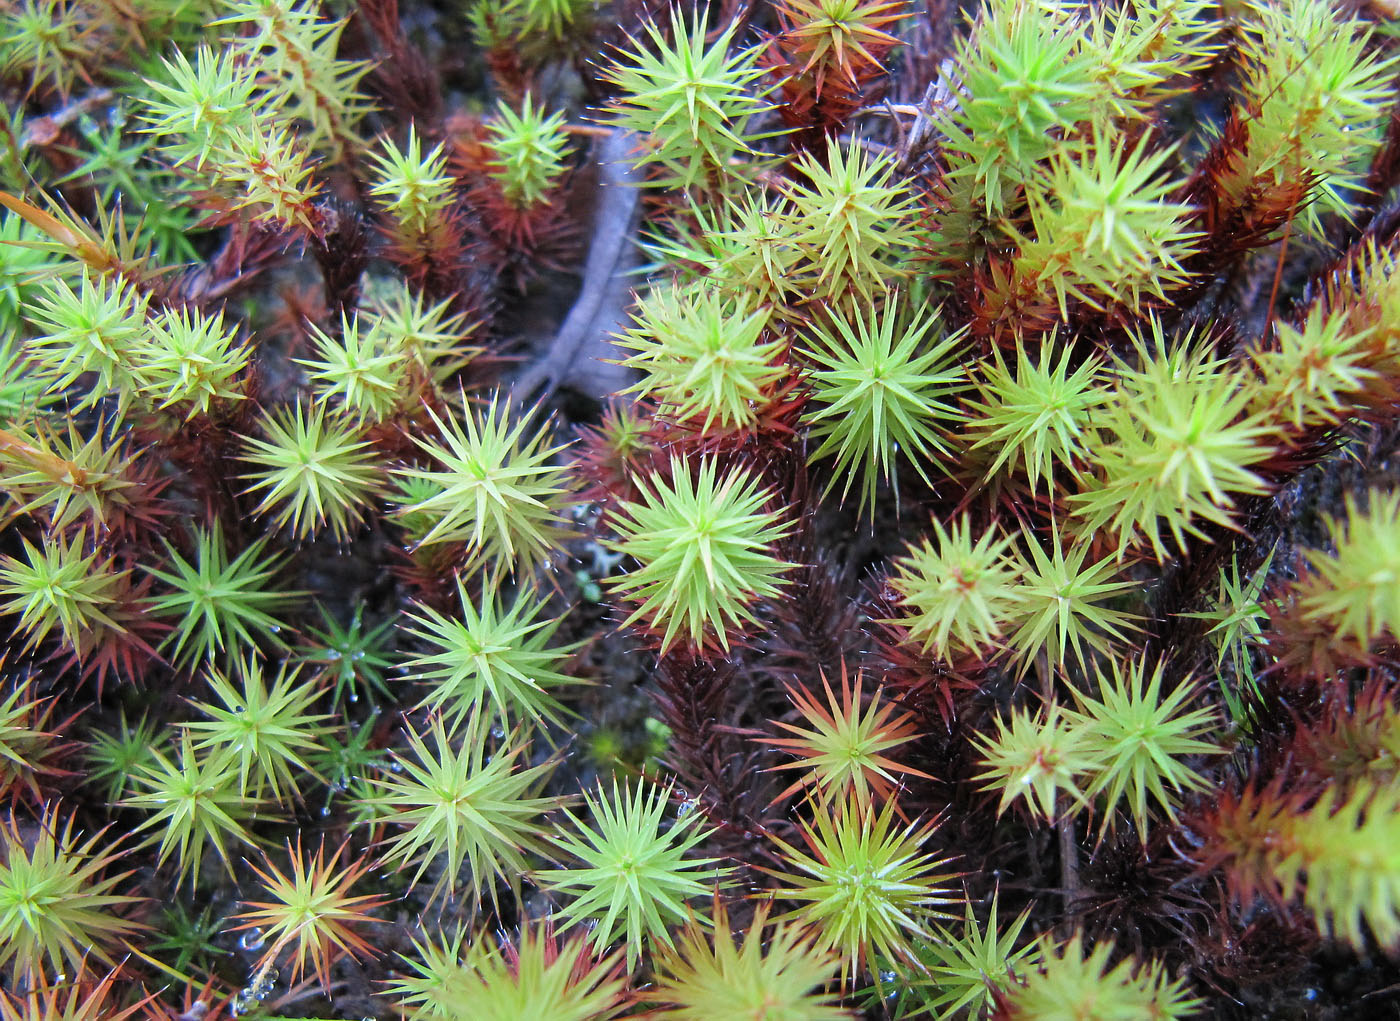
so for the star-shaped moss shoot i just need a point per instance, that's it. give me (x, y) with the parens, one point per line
(495, 657)
(1068, 984)
(689, 98)
(193, 804)
(854, 219)
(843, 744)
(878, 388)
(263, 726)
(703, 547)
(529, 149)
(1176, 450)
(966, 969)
(498, 491)
(459, 806)
(1355, 590)
(866, 886)
(1040, 759)
(538, 974)
(842, 41)
(310, 910)
(56, 904)
(314, 470)
(1065, 606)
(634, 874)
(958, 596)
(702, 353)
(1144, 737)
(63, 588)
(222, 605)
(1033, 418)
(766, 971)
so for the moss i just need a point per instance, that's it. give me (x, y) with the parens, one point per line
(1028, 368)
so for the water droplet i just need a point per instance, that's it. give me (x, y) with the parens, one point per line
(251, 940)
(359, 655)
(325, 811)
(498, 732)
(240, 709)
(353, 696)
(332, 654)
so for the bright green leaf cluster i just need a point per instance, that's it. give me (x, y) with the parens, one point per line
(314, 469)
(958, 594)
(879, 388)
(56, 904)
(27, 749)
(1177, 442)
(496, 491)
(703, 353)
(1039, 758)
(413, 189)
(1143, 735)
(65, 587)
(772, 972)
(490, 658)
(529, 152)
(222, 605)
(1105, 230)
(539, 975)
(193, 804)
(1131, 745)
(1355, 589)
(63, 477)
(703, 547)
(852, 220)
(1036, 415)
(1062, 605)
(1316, 372)
(867, 887)
(1316, 93)
(459, 806)
(634, 875)
(688, 100)
(294, 50)
(1024, 76)
(263, 730)
(1072, 986)
(966, 971)
(1344, 853)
